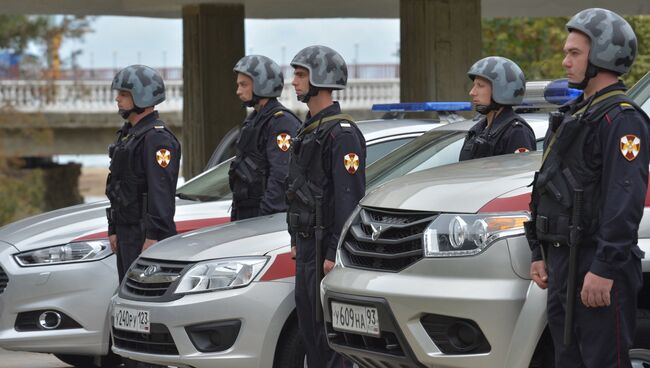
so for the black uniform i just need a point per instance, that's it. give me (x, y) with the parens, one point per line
(326, 181)
(141, 187)
(509, 133)
(600, 146)
(261, 166)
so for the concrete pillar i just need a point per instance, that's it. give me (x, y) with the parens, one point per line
(213, 41)
(440, 40)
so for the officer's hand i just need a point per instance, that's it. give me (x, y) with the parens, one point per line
(148, 243)
(293, 252)
(327, 266)
(538, 274)
(596, 291)
(113, 240)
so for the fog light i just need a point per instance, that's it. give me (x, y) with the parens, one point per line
(214, 336)
(455, 336)
(49, 320)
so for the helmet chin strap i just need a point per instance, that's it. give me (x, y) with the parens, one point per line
(313, 91)
(485, 109)
(591, 72)
(126, 113)
(252, 102)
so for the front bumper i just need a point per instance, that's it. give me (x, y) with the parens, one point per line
(262, 308)
(482, 289)
(81, 291)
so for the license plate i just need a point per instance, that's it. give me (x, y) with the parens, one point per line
(355, 318)
(131, 319)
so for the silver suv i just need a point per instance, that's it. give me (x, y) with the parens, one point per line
(433, 271)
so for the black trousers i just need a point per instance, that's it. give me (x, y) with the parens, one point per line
(243, 213)
(130, 239)
(602, 336)
(319, 354)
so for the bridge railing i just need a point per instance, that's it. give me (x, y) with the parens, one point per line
(96, 96)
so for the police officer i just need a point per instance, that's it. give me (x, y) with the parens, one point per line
(589, 194)
(145, 160)
(497, 85)
(261, 164)
(326, 181)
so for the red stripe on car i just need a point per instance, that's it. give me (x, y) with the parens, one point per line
(181, 227)
(507, 204)
(283, 266)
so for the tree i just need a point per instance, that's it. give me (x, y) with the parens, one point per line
(56, 30)
(16, 31)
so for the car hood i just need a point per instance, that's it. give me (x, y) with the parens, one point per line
(88, 221)
(255, 236)
(464, 187)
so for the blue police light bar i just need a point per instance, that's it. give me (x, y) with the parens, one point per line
(558, 92)
(423, 106)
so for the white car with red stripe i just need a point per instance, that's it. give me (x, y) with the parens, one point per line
(433, 271)
(57, 273)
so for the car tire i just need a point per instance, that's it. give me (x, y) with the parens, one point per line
(640, 358)
(290, 352)
(111, 360)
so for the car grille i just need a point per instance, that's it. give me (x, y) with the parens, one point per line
(383, 240)
(159, 341)
(4, 280)
(151, 279)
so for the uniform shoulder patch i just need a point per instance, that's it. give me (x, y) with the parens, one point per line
(279, 114)
(163, 157)
(522, 150)
(630, 146)
(351, 163)
(284, 141)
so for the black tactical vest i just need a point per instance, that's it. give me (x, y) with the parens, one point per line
(309, 204)
(249, 171)
(564, 170)
(478, 146)
(126, 186)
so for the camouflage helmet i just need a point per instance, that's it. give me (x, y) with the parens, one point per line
(327, 69)
(144, 83)
(613, 42)
(267, 77)
(507, 78)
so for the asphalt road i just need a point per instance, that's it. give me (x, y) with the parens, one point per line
(12, 359)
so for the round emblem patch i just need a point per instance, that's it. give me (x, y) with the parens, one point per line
(630, 146)
(284, 141)
(351, 162)
(163, 157)
(522, 150)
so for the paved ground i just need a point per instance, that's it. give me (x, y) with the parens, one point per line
(11, 359)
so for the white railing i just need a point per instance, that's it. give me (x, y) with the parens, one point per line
(96, 96)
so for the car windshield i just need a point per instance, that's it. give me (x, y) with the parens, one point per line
(212, 185)
(432, 149)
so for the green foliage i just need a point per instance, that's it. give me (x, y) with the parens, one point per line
(536, 44)
(16, 31)
(22, 193)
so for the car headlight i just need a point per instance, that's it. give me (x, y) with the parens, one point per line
(84, 251)
(220, 274)
(452, 235)
(344, 231)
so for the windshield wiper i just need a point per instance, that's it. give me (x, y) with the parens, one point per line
(188, 197)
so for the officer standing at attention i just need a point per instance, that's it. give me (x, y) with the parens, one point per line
(589, 194)
(326, 181)
(497, 85)
(261, 164)
(144, 168)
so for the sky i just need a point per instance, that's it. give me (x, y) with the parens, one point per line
(120, 41)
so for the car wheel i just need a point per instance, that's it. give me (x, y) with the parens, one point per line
(640, 358)
(84, 361)
(290, 352)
